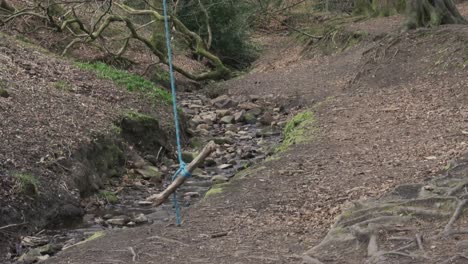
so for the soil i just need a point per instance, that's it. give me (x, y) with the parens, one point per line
(389, 111)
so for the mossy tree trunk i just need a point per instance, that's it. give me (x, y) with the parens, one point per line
(420, 13)
(425, 13)
(158, 37)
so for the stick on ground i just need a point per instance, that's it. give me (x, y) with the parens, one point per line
(158, 199)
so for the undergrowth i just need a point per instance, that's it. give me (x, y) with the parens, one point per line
(28, 183)
(128, 80)
(110, 197)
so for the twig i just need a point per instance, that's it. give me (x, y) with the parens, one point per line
(168, 240)
(221, 234)
(12, 225)
(135, 255)
(419, 241)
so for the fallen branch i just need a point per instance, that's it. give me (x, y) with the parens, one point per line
(158, 199)
(448, 228)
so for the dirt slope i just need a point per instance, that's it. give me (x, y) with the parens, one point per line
(375, 131)
(48, 110)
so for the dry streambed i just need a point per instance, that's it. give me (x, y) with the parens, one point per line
(247, 129)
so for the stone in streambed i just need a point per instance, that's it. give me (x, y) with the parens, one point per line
(250, 118)
(150, 173)
(223, 102)
(227, 120)
(218, 179)
(239, 116)
(140, 219)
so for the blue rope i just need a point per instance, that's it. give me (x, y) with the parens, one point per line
(183, 167)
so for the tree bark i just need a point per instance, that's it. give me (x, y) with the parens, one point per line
(419, 13)
(429, 13)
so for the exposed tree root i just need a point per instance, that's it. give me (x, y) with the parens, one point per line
(458, 211)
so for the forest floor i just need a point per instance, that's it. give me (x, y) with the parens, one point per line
(387, 112)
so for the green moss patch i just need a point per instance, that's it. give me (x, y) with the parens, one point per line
(28, 183)
(299, 129)
(128, 80)
(110, 197)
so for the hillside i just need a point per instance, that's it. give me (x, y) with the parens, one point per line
(347, 148)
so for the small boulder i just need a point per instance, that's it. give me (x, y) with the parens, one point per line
(227, 119)
(218, 179)
(210, 162)
(224, 166)
(140, 219)
(266, 119)
(222, 112)
(239, 116)
(188, 156)
(222, 140)
(248, 106)
(250, 118)
(118, 221)
(150, 173)
(4, 93)
(223, 102)
(255, 111)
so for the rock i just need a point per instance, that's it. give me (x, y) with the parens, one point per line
(267, 132)
(30, 257)
(231, 127)
(230, 134)
(32, 241)
(239, 116)
(223, 102)
(203, 132)
(49, 249)
(4, 93)
(188, 156)
(209, 118)
(131, 223)
(144, 203)
(224, 166)
(150, 173)
(250, 118)
(43, 258)
(199, 172)
(219, 179)
(107, 216)
(141, 218)
(210, 162)
(222, 140)
(266, 119)
(191, 194)
(118, 221)
(222, 112)
(203, 127)
(196, 120)
(227, 119)
(254, 98)
(255, 111)
(248, 106)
